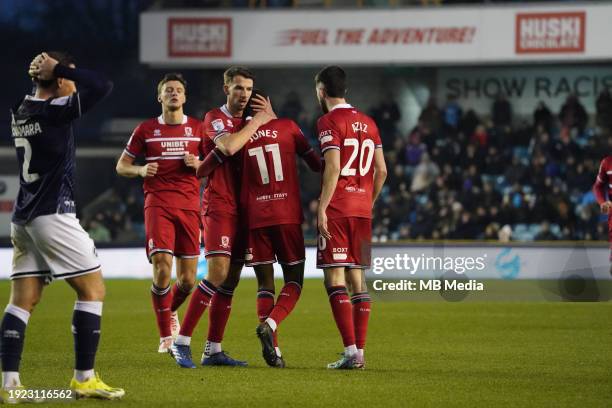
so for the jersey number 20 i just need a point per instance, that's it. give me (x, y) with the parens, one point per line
(366, 151)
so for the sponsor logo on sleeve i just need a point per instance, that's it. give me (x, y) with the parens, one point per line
(325, 136)
(218, 125)
(326, 139)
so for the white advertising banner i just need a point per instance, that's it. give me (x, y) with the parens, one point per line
(510, 262)
(561, 32)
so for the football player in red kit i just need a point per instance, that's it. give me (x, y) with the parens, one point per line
(170, 145)
(270, 199)
(224, 244)
(353, 175)
(603, 193)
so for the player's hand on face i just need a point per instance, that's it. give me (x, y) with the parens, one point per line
(322, 224)
(33, 70)
(191, 161)
(606, 207)
(148, 170)
(259, 103)
(42, 67)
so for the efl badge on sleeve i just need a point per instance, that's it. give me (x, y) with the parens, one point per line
(218, 125)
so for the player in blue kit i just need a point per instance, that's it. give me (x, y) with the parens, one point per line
(49, 243)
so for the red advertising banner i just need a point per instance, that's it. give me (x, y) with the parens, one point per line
(554, 32)
(199, 37)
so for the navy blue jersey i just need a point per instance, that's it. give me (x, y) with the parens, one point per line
(44, 140)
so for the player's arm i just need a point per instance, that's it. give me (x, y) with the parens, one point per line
(92, 86)
(126, 167)
(305, 151)
(380, 173)
(312, 160)
(600, 188)
(212, 160)
(331, 172)
(230, 143)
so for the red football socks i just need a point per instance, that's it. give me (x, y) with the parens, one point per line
(178, 296)
(343, 313)
(198, 303)
(265, 304)
(218, 314)
(162, 299)
(286, 302)
(362, 304)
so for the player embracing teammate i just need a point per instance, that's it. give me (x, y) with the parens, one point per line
(271, 209)
(353, 176)
(224, 240)
(603, 193)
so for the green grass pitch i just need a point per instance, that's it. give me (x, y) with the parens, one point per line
(420, 354)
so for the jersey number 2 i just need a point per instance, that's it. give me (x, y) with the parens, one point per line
(27, 157)
(258, 152)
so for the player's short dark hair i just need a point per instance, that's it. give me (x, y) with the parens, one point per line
(63, 58)
(333, 79)
(172, 76)
(248, 111)
(235, 71)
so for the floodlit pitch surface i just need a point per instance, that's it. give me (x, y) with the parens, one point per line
(419, 354)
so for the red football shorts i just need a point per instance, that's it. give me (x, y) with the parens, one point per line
(173, 231)
(222, 238)
(284, 243)
(349, 246)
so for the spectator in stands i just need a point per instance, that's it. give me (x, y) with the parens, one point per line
(480, 136)
(573, 115)
(414, 149)
(452, 113)
(469, 122)
(543, 117)
(292, 107)
(424, 174)
(494, 161)
(545, 233)
(431, 117)
(501, 112)
(505, 234)
(97, 231)
(564, 146)
(386, 115)
(604, 111)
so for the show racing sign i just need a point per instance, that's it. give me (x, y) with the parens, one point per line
(462, 35)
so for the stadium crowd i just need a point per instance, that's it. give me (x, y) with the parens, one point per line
(455, 175)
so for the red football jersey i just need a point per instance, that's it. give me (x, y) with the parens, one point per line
(603, 184)
(270, 185)
(356, 136)
(175, 185)
(221, 191)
